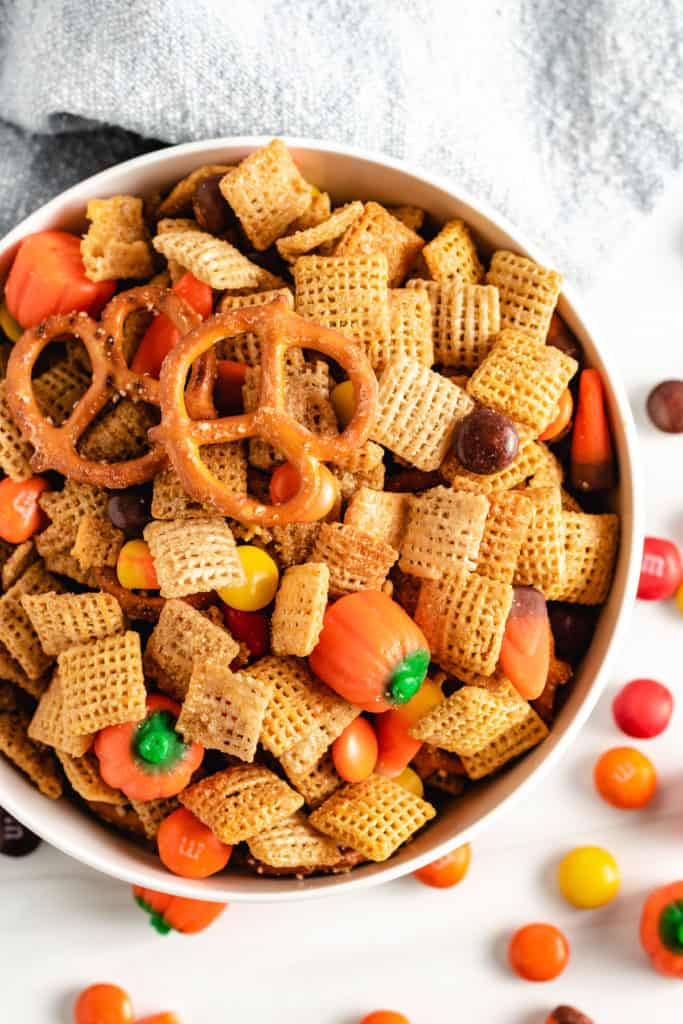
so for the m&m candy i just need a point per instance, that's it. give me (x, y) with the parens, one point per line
(625, 778)
(588, 877)
(567, 1015)
(660, 571)
(15, 839)
(643, 708)
(538, 952)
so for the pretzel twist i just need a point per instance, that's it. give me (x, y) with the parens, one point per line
(56, 446)
(278, 329)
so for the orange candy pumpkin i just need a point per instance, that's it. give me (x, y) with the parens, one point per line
(176, 913)
(661, 929)
(370, 651)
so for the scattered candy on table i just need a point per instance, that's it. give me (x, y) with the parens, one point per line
(661, 570)
(588, 877)
(661, 929)
(177, 913)
(538, 952)
(643, 708)
(15, 839)
(262, 578)
(384, 1017)
(625, 778)
(665, 406)
(448, 870)
(567, 1015)
(109, 1004)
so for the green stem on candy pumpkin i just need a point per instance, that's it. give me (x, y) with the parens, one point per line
(408, 676)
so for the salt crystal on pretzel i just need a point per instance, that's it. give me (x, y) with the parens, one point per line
(50, 726)
(468, 720)
(516, 740)
(542, 560)
(294, 843)
(410, 329)
(528, 292)
(193, 556)
(452, 255)
(302, 242)
(267, 192)
(182, 636)
(465, 319)
(376, 231)
(102, 683)
(23, 556)
(63, 620)
(443, 532)
(379, 513)
(522, 378)
(15, 452)
(347, 293)
(34, 760)
(84, 776)
(240, 802)
(300, 605)
(418, 412)
(227, 462)
(179, 199)
(116, 245)
(591, 543)
(506, 528)
(356, 560)
(463, 618)
(16, 631)
(374, 817)
(98, 542)
(223, 710)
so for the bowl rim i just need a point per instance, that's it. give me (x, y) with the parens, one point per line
(632, 540)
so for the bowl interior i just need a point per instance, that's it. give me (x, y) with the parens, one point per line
(345, 174)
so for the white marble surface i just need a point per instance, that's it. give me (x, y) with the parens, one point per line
(435, 956)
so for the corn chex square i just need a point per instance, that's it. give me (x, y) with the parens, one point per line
(34, 760)
(226, 461)
(84, 777)
(443, 533)
(522, 378)
(410, 313)
(193, 556)
(463, 618)
(152, 812)
(223, 710)
(59, 388)
(181, 638)
(50, 726)
(97, 543)
(590, 546)
(300, 605)
(514, 742)
(382, 514)
(116, 244)
(418, 411)
(532, 460)
(356, 560)
(212, 260)
(506, 528)
(528, 292)
(468, 720)
(65, 510)
(320, 782)
(102, 683)
(16, 631)
(21, 558)
(294, 843)
(240, 802)
(246, 348)
(465, 319)
(118, 434)
(347, 293)
(452, 255)
(374, 817)
(15, 452)
(267, 192)
(302, 242)
(542, 559)
(63, 620)
(376, 231)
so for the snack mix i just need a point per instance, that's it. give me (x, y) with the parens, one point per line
(278, 475)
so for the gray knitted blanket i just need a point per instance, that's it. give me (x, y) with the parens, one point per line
(565, 114)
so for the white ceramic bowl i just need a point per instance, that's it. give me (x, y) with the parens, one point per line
(347, 174)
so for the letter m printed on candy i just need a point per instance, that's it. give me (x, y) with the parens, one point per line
(661, 570)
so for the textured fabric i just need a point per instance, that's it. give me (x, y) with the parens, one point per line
(564, 114)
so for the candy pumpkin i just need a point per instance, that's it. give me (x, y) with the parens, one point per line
(661, 929)
(148, 760)
(176, 913)
(370, 651)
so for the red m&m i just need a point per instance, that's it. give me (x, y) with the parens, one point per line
(643, 708)
(661, 569)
